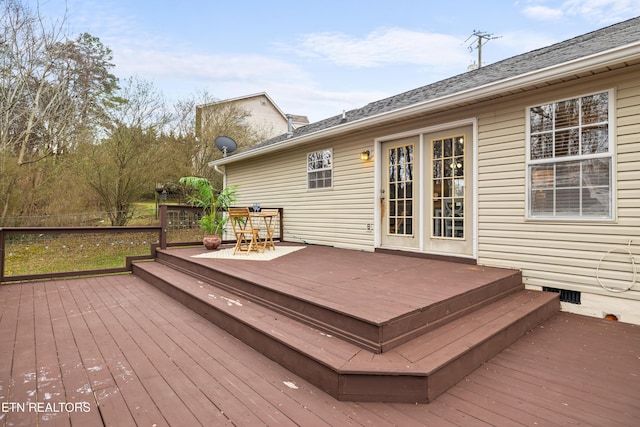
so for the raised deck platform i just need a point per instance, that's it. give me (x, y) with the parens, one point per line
(361, 326)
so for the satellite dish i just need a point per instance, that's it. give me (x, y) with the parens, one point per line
(226, 145)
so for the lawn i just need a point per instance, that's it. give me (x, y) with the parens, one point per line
(45, 253)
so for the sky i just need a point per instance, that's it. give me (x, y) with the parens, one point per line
(318, 58)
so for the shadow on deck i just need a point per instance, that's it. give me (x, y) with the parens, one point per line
(360, 326)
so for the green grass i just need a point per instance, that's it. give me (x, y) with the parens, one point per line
(43, 254)
(144, 213)
(77, 252)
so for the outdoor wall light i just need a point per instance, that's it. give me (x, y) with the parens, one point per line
(365, 155)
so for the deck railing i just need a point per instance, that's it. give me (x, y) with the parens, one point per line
(34, 253)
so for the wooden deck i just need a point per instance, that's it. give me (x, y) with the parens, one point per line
(369, 299)
(128, 354)
(360, 326)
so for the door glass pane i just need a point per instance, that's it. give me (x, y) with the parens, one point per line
(400, 190)
(459, 187)
(448, 147)
(448, 171)
(437, 149)
(448, 187)
(437, 169)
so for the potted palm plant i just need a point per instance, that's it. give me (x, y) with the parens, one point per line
(213, 206)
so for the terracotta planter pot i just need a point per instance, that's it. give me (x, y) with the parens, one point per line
(211, 241)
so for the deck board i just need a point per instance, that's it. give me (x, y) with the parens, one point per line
(240, 386)
(49, 376)
(147, 359)
(24, 372)
(360, 278)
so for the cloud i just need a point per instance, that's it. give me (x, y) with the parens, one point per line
(522, 41)
(383, 47)
(596, 11)
(543, 13)
(179, 73)
(177, 63)
(317, 103)
(602, 11)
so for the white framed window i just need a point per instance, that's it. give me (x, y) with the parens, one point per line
(320, 169)
(570, 158)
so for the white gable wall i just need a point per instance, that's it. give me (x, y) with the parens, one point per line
(264, 115)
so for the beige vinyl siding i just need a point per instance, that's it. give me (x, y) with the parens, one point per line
(336, 216)
(555, 253)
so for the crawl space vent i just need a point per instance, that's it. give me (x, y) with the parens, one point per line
(572, 297)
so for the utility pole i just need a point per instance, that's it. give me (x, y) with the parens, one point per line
(481, 39)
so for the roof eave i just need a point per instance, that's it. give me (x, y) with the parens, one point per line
(602, 59)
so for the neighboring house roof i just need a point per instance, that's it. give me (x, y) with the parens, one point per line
(568, 60)
(298, 120)
(245, 98)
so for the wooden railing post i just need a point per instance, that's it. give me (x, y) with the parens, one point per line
(2, 247)
(163, 226)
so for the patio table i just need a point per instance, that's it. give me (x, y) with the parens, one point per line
(266, 217)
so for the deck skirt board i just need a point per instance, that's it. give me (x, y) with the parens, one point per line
(399, 330)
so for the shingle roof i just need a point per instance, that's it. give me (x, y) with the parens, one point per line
(582, 46)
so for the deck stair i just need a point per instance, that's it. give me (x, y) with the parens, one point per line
(412, 357)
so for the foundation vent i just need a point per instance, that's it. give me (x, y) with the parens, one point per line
(572, 297)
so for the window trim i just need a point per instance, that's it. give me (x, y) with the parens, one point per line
(330, 168)
(610, 154)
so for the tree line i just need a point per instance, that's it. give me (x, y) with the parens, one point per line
(75, 138)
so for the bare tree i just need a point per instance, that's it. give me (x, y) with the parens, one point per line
(51, 91)
(125, 163)
(44, 82)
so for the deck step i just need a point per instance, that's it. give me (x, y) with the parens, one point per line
(416, 371)
(376, 336)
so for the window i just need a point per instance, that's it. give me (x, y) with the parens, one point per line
(448, 187)
(570, 158)
(320, 169)
(401, 190)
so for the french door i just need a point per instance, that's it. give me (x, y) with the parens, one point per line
(426, 193)
(449, 203)
(400, 193)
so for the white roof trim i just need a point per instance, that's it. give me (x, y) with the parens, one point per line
(601, 59)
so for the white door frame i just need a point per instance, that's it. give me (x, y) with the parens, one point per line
(379, 158)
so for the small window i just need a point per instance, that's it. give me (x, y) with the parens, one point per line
(570, 159)
(320, 169)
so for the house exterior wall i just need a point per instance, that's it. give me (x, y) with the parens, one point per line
(560, 254)
(557, 254)
(264, 115)
(336, 216)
